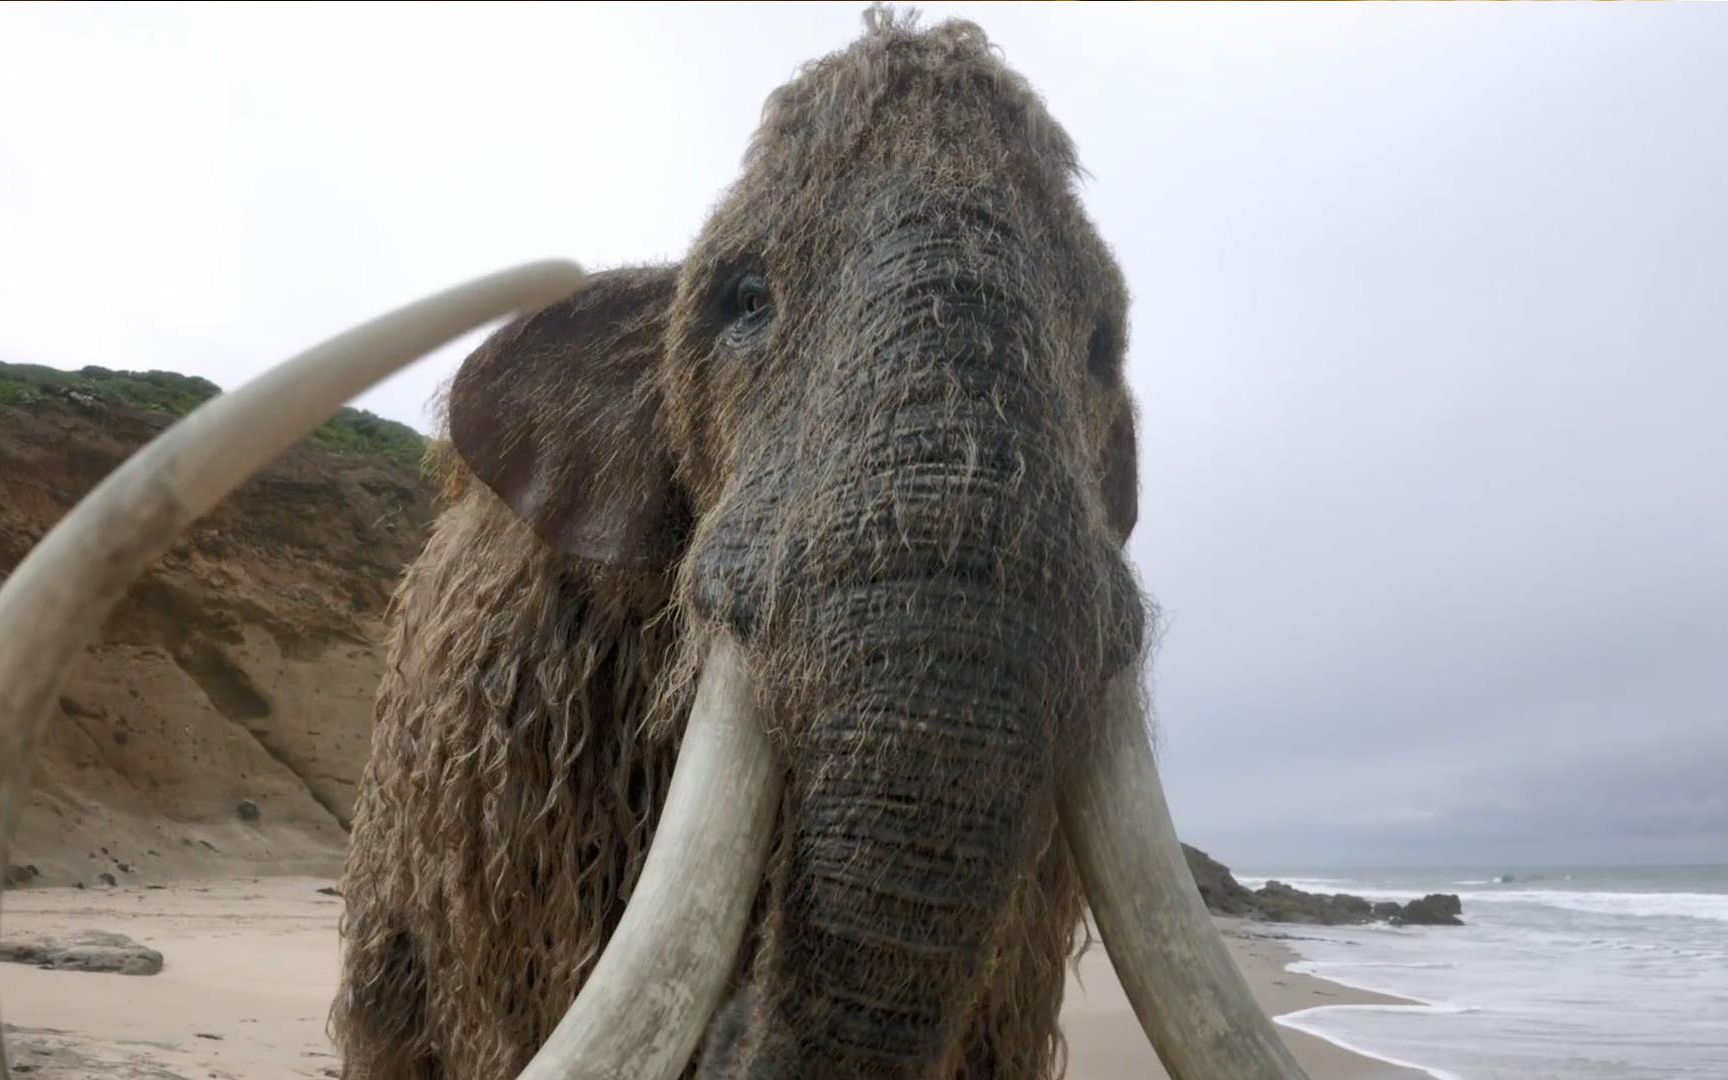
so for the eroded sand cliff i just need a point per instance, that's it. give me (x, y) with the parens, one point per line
(219, 724)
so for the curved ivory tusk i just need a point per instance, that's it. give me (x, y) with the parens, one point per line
(650, 997)
(57, 598)
(1186, 990)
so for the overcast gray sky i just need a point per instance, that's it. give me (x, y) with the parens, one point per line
(1430, 335)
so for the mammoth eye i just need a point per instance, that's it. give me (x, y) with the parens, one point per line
(750, 298)
(748, 307)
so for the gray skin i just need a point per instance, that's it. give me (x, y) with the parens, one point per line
(874, 426)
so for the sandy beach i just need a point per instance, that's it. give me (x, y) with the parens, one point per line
(1105, 1041)
(250, 965)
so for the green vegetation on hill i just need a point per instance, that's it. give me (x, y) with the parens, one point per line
(350, 431)
(163, 391)
(356, 431)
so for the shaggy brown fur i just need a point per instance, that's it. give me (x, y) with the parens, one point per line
(873, 426)
(508, 804)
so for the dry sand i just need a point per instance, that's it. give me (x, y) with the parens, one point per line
(250, 967)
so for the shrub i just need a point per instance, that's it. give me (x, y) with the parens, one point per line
(350, 431)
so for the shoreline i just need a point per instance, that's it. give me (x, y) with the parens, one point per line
(1290, 1021)
(1294, 1020)
(1105, 1041)
(250, 967)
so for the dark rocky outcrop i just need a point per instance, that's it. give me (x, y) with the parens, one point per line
(1277, 902)
(1435, 909)
(1283, 903)
(1223, 894)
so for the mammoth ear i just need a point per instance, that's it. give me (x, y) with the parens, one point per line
(1121, 472)
(559, 413)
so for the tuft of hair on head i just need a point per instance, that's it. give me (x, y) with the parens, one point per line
(893, 25)
(879, 18)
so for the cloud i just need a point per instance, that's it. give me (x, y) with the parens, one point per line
(1385, 817)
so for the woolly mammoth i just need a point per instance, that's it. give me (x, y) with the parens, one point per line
(766, 700)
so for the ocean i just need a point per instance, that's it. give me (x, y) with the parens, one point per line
(1570, 973)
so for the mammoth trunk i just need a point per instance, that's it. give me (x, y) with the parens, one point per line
(926, 784)
(928, 652)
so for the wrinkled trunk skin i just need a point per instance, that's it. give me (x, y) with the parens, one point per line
(927, 615)
(930, 781)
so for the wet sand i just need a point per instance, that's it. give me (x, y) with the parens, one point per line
(250, 966)
(1105, 1041)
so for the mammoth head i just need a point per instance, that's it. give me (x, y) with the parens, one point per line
(874, 427)
(904, 248)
